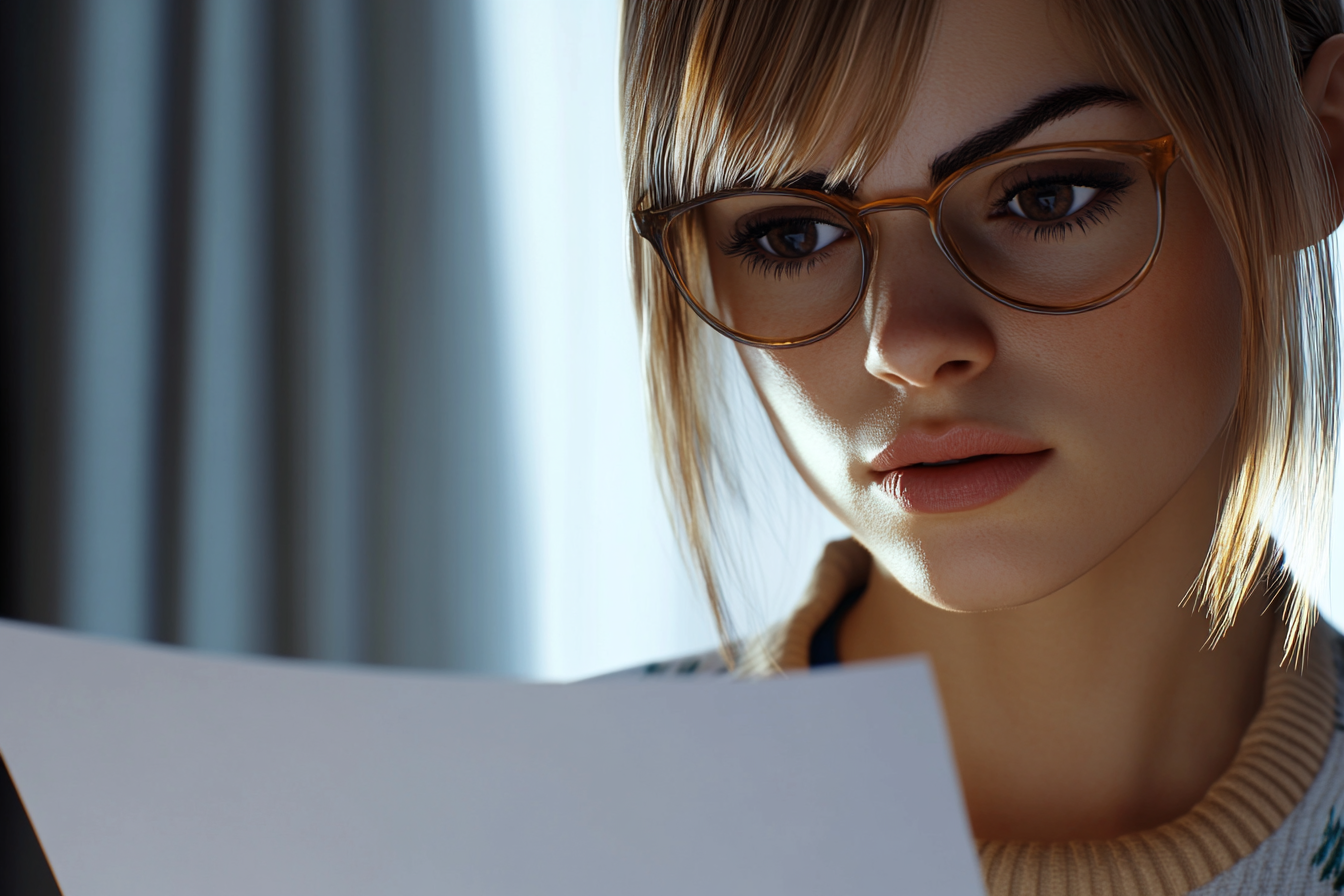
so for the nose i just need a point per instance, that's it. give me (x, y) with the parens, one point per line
(926, 324)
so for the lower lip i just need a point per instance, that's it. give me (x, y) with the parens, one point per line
(963, 486)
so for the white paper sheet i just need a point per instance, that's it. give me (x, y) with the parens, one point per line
(157, 772)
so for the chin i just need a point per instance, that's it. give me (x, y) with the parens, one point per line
(971, 578)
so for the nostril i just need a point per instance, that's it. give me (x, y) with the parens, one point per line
(953, 368)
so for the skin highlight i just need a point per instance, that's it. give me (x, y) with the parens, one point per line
(1080, 696)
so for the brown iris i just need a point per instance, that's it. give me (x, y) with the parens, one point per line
(792, 240)
(1049, 202)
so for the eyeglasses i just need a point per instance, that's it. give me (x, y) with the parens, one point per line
(1056, 229)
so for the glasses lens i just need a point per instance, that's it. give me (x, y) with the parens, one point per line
(1054, 230)
(772, 268)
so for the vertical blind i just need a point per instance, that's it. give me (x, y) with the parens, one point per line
(259, 387)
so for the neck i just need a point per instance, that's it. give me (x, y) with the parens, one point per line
(1095, 711)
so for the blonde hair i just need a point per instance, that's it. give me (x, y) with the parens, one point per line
(718, 94)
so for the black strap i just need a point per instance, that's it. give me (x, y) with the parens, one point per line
(824, 648)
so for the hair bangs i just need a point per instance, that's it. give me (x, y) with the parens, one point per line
(767, 87)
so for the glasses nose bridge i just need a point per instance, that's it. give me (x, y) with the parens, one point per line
(925, 207)
(898, 204)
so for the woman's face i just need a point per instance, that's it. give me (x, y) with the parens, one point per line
(1098, 419)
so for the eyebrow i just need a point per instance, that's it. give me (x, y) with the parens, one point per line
(1036, 114)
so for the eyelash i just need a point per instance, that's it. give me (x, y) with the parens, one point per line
(1098, 209)
(742, 243)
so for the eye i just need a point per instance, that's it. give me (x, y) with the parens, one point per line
(1050, 202)
(796, 239)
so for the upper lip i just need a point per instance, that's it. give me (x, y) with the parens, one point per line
(957, 443)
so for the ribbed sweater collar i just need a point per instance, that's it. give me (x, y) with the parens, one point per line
(1280, 755)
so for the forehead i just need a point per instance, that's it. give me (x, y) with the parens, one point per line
(986, 60)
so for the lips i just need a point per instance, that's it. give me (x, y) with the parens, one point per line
(960, 469)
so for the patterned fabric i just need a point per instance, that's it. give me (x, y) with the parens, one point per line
(711, 663)
(1305, 856)
(1272, 824)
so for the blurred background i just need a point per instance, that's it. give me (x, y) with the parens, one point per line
(318, 341)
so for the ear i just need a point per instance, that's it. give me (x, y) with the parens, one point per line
(1323, 91)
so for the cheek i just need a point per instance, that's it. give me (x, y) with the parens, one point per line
(1163, 364)
(813, 434)
(824, 405)
(1160, 366)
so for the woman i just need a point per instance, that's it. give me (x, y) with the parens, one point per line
(1036, 297)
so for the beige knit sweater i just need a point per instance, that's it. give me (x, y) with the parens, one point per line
(1272, 824)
